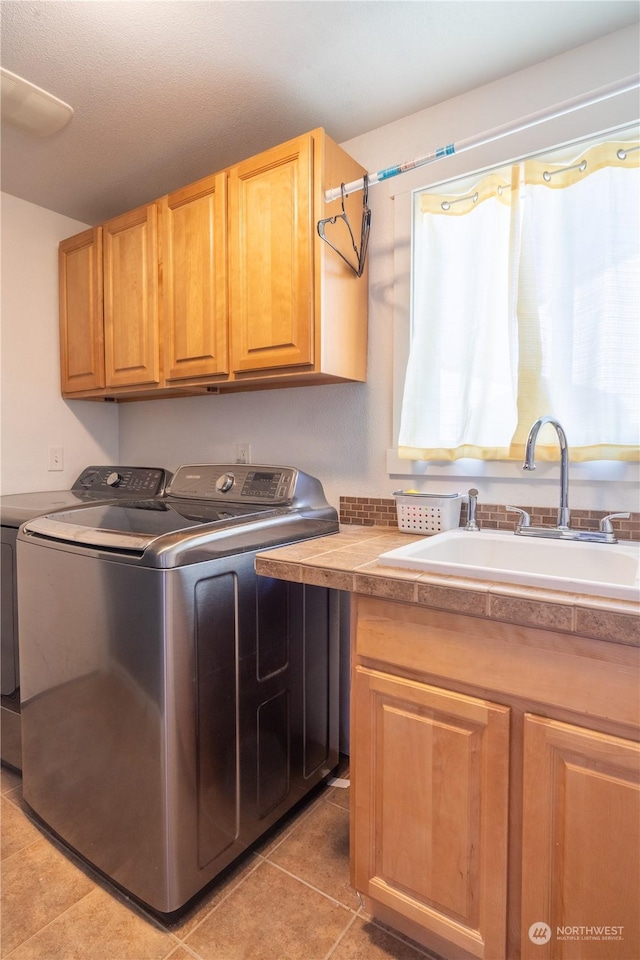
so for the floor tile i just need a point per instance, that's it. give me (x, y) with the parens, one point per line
(9, 779)
(209, 900)
(367, 941)
(341, 796)
(38, 884)
(98, 927)
(317, 851)
(17, 831)
(270, 916)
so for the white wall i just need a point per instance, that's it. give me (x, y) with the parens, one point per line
(33, 415)
(342, 433)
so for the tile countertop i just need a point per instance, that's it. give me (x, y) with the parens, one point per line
(348, 561)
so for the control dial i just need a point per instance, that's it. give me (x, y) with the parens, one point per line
(114, 479)
(225, 482)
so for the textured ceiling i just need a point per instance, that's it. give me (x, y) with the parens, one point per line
(167, 91)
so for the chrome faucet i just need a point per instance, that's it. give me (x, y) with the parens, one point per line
(472, 523)
(563, 510)
(562, 530)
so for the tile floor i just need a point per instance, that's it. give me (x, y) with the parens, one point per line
(291, 900)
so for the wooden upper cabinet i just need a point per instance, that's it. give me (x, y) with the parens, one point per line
(581, 843)
(81, 328)
(224, 284)
(194, 272)
(132, 343)
(272, 270)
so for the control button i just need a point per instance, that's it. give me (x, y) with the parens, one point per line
(225, 482)
(90, 478)
(114, 479)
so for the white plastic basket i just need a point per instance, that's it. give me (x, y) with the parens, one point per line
(427, 512)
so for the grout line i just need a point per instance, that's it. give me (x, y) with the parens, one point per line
(340, 806)
(341, 937)
(48, 924)
(219, 903)
(184, 946)
(327, 896)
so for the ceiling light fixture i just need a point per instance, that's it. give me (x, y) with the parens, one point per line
(30, 109)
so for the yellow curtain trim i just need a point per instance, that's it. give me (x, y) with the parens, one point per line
(499, 187)
(442, 453)
(568, 172)
(544, 454)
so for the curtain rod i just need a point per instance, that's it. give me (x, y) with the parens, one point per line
(568, 106)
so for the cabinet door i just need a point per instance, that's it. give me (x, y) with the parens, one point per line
(132, 352)
(81, 324)
(581, 843)
(430, 772)
(194, 278)
(272, 243)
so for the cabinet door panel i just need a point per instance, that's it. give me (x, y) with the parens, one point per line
(132, 353)
(271, 281)
(430, 823)
(194, 279)
(81, 325)
(581, 843)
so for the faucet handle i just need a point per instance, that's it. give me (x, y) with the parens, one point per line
(605, 524)
(472, 523)
(525, 519)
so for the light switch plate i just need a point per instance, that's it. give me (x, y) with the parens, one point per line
(56, 458)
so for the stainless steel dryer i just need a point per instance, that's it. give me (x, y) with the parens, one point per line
(174, 705)
(105, 482)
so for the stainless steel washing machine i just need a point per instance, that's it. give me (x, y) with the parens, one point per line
(94, 483)
(174, 705)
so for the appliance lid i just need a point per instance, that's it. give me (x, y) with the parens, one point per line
(95, 483)
(17, 508)
(137, 524)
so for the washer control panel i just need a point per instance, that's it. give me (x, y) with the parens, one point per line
(236, 482)
(122, 481)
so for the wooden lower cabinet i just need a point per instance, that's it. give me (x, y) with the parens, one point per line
(495, 785)
(431, 774)
(581, 843)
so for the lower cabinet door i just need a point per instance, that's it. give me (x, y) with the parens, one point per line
(581, 844)
(430, 771)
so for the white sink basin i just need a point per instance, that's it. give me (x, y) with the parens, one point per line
(598, 569)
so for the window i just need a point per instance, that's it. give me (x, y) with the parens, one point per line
(525, 302)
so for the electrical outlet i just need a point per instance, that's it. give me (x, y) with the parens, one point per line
(56, 458)
(243, 453)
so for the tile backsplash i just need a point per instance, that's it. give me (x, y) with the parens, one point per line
(381, 512)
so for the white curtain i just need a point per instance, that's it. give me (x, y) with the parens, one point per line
(525, 302)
